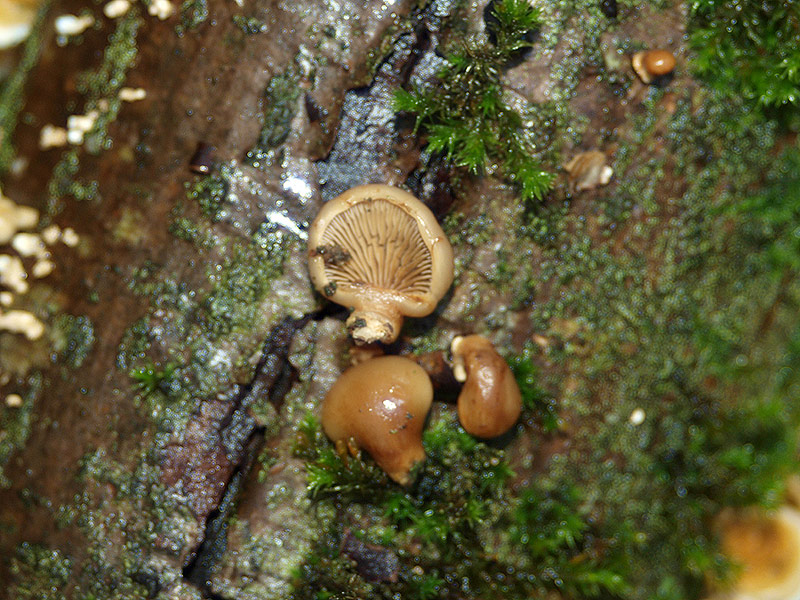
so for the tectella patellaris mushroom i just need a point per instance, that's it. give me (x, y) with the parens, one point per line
(379, 251)
(490, 402)
(381, 404)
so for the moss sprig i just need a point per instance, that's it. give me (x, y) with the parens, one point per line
(749, 48)
(465, 115)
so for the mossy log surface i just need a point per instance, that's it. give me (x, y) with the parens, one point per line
(164, 447)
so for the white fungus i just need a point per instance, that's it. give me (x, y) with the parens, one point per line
(71, 25)
(116, 8)
(50, 234)
(78, 125)
(42, 268)
(128, 94)
(28, 244)
(162, 9)
(52, 137)
(6, 298)
(13, 400)
(69, 237)
(14, 217)
(12, 274)
(21, 321)
(637, 417)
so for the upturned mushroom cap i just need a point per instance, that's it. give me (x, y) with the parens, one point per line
(490, 402)
(379, 251)
(381, 404)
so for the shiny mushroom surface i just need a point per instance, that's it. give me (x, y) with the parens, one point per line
(381, 405)
(380, 252)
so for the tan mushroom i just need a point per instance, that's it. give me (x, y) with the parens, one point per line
(379, 251)
(381, 405)
(652, 65)
(766, 549)
(490, 402)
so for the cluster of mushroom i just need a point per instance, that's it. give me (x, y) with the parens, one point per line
(380, 252)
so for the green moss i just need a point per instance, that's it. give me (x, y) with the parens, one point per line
(15, 425)
(41, 574)
(99, 87)
(211, 192)
(749, 49)
(466, 117)
(331, 473)
(249, 25)
(73, 339)
(193, 14)
(12, 89)
(243, 280)
(280, 103)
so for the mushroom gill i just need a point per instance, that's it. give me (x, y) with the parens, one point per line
(379, 251)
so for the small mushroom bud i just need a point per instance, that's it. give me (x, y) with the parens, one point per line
(490, 401)
(381, 404)
(653, 65)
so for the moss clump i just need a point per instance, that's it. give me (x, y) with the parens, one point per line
(244, 280)
(74, 339)
(15, 425)
(211, 192)
(11, 89)
(331, 473)
(749, 48)
(193, 14)
(466, 116)
(40, 573)
(98, 84)
(150, 379)
(280, 102)
(250, 25)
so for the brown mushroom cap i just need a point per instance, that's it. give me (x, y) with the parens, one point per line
(650, 64)
(490, 402)
(379, 251)
(381, 404)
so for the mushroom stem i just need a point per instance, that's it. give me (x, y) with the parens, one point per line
(378, 323)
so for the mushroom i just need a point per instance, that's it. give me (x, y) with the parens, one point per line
(766, 547)
(379, 251)
(653, 65)
(588, 170)
(490, 402)
(381, 405)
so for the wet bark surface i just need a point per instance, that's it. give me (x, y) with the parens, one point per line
(208, 85)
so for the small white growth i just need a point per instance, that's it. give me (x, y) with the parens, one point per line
(605, 175)
(28, 244)
(69, 237)
(12, 273)
(162, 9)
(42, 268)
(78, 125)
(637, 417)
(6, 298)
(128, 94)
(116, 8)
(50, 234)
(21, 321)
(52, 137)
(13, 400)
(12, 34)
(14, 217)
(71, 25)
